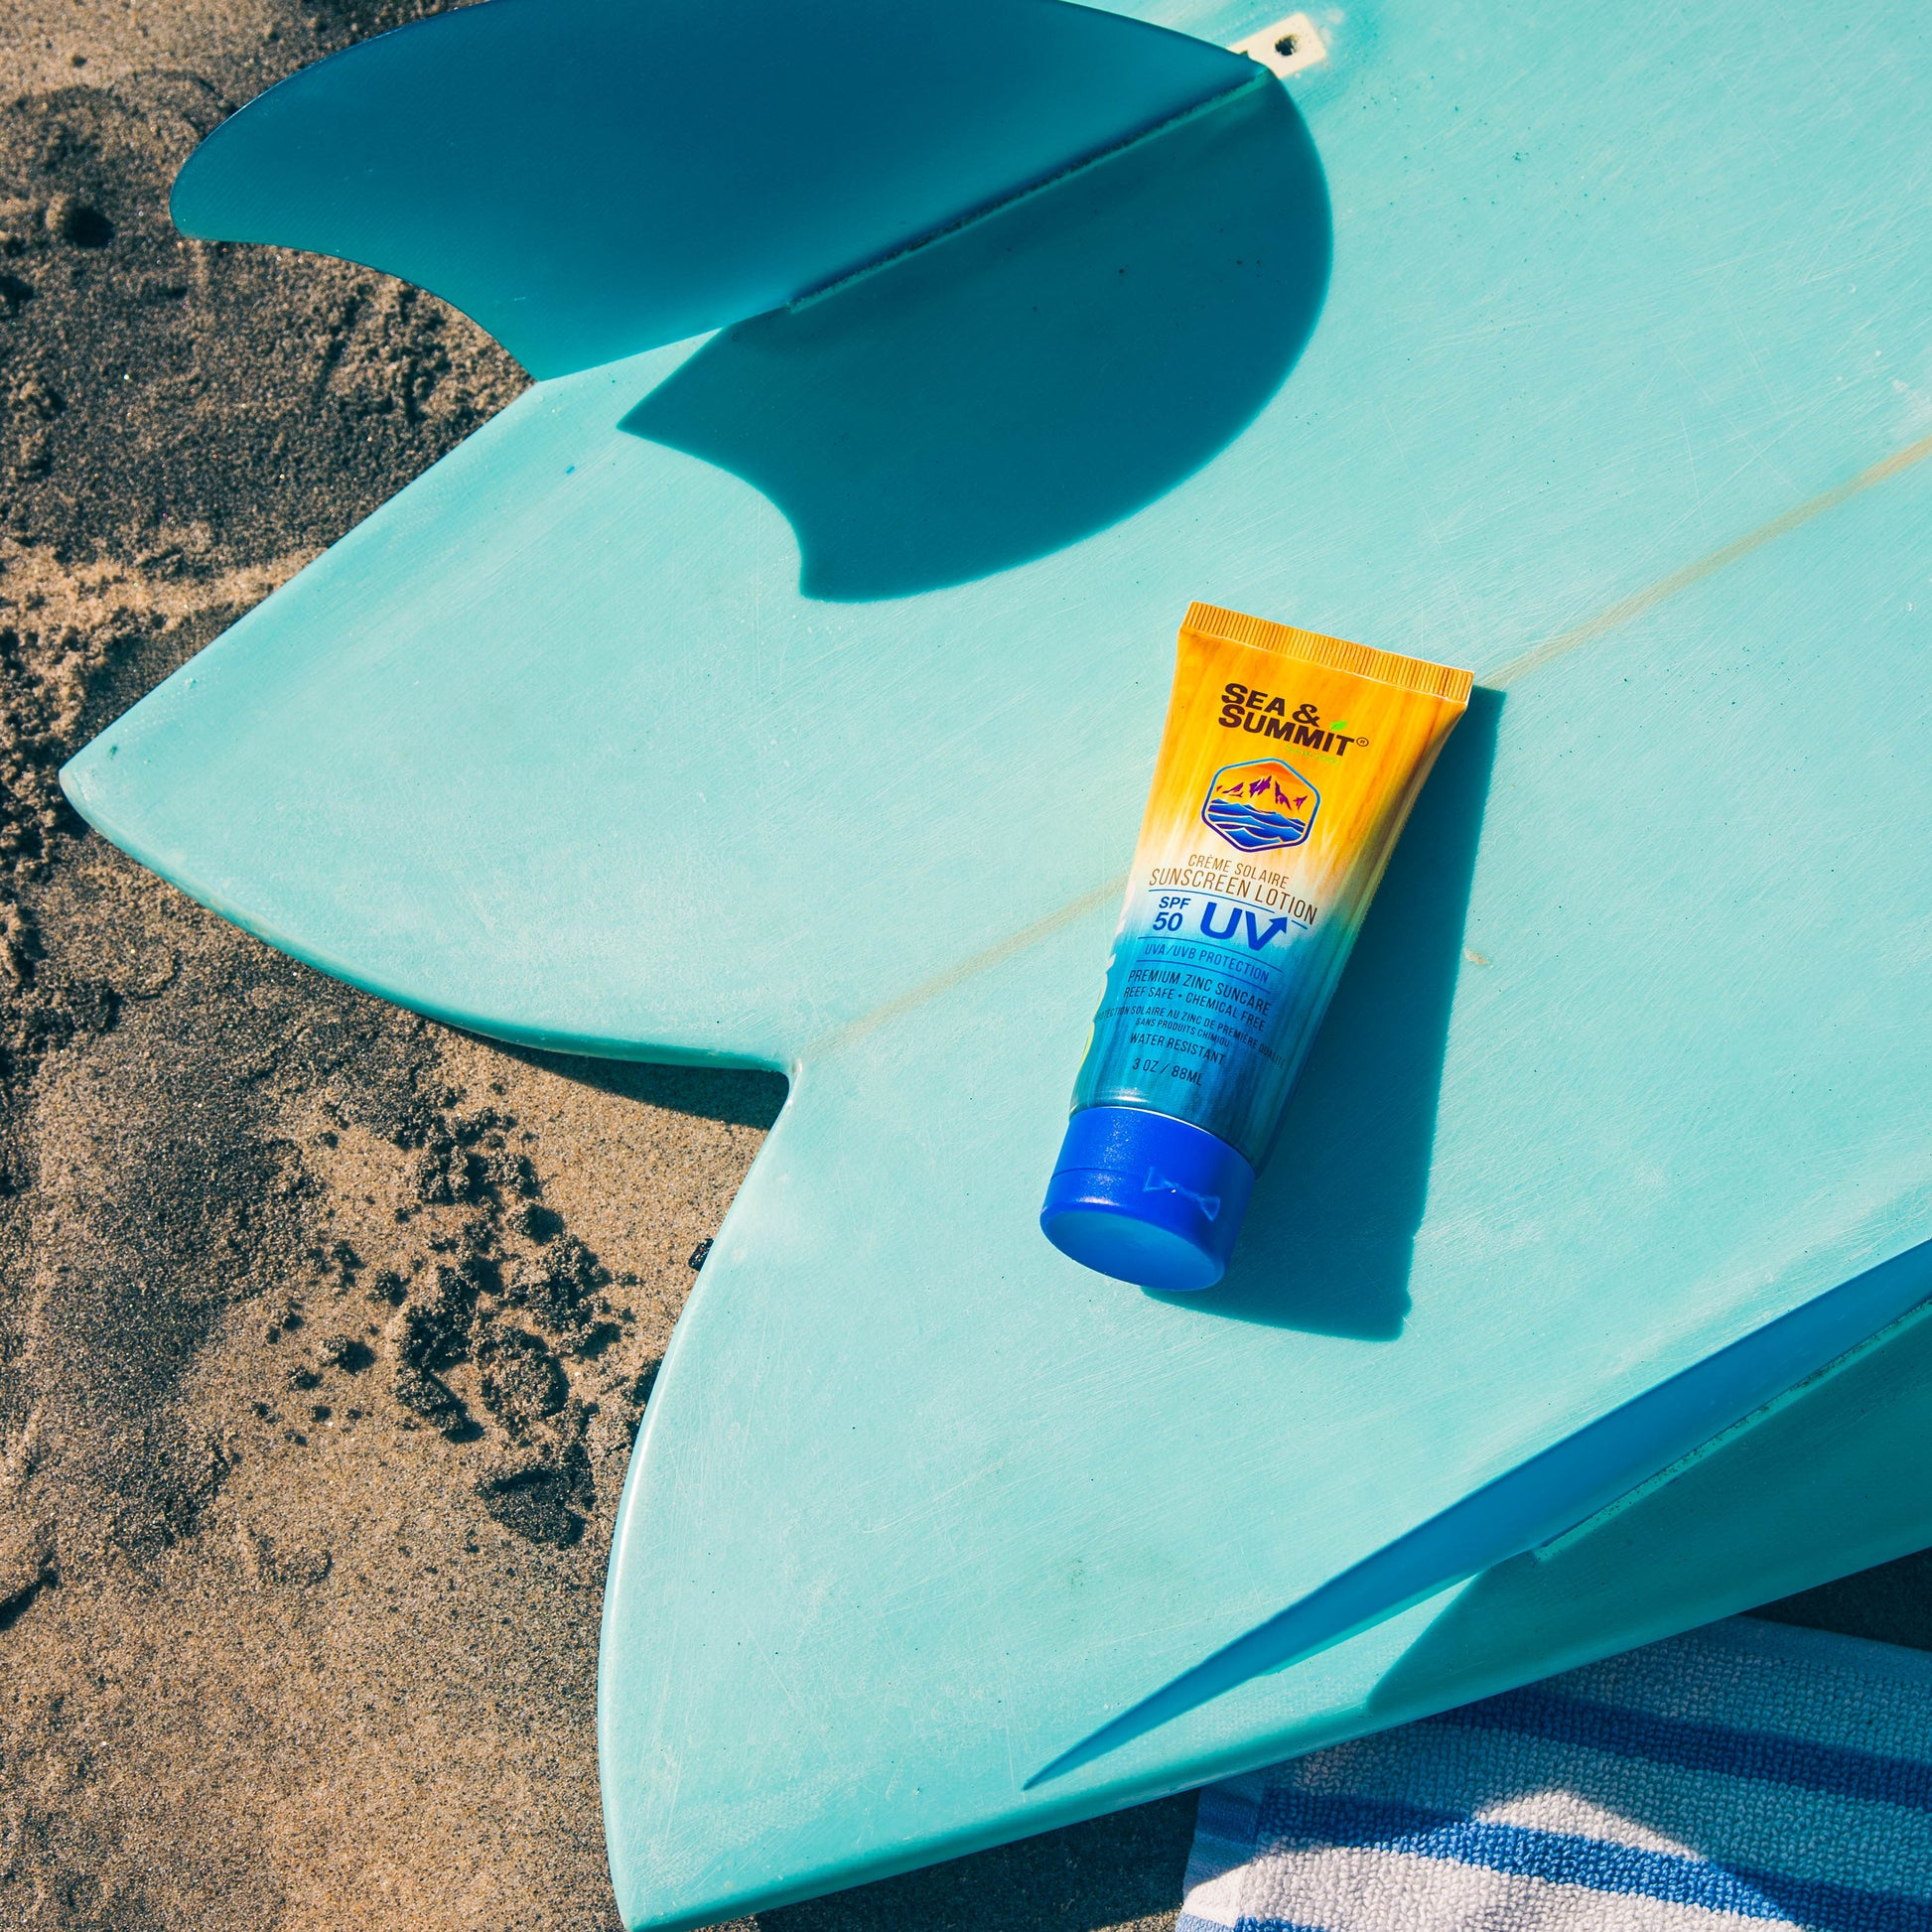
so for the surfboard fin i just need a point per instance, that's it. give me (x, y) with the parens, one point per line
(587, 179)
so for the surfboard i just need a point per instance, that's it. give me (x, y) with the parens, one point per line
(786, 696)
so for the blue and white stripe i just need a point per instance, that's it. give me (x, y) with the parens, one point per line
(1744, 1776)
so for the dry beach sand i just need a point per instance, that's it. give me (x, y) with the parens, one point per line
(323, 1330)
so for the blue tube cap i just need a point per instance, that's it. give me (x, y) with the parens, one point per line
(1145, 1198)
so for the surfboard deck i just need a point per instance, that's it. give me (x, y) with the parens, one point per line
(788, 698)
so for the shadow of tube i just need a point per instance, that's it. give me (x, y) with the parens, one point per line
(1030, 378)
(1331, 1231)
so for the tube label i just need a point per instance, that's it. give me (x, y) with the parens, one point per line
(1289, 764)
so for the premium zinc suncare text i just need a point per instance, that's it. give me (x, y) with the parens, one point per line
(1289, 764)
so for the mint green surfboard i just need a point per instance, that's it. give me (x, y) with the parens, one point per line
(786, 696)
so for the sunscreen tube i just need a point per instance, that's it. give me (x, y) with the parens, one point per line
(1287, 769)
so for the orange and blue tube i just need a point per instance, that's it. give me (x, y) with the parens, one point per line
(1288, 767)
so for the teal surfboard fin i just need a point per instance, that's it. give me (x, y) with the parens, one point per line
(1543, 1498)
(587, 179)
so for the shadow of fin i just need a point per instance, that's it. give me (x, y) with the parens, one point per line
(1029, 379)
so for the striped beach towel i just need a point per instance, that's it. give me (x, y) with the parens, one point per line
(1743, 1776)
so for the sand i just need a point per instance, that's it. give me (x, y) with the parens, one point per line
(323, 1330)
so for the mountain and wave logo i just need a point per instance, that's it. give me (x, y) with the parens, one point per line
(1260, 806)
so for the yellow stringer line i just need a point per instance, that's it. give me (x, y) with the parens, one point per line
(1638, 601)
(1610, 617)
